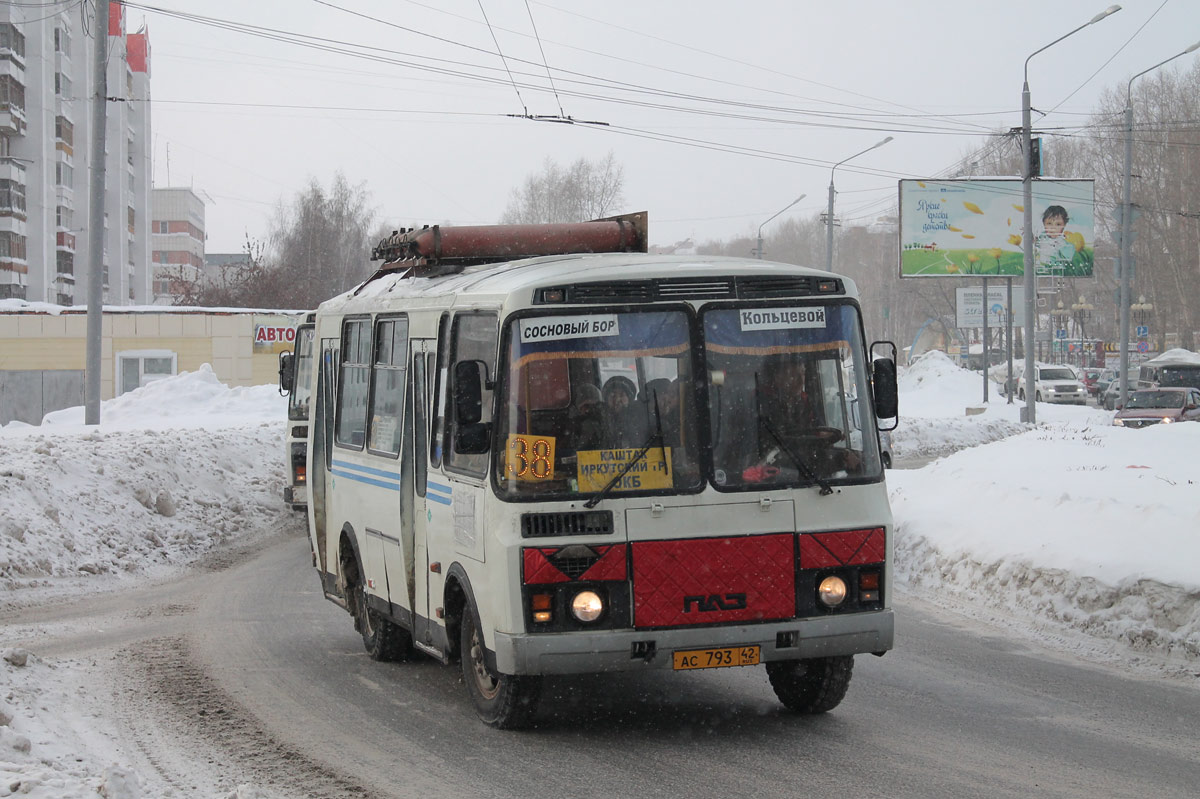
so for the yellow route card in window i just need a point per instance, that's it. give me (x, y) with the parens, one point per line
(598, 466)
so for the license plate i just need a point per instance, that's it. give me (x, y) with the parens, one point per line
(715, 658)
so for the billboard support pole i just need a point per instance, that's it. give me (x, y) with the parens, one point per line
(987, 344)
(1028, 414)
(1008, 325)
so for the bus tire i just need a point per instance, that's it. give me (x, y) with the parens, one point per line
(503, 701)
(383, 639)
(815, 685)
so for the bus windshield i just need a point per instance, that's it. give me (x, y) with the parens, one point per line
(301, 384)
(784, 385)
(598, 401)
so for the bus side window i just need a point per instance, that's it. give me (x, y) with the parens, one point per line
(354, 375)
(387, 385)
(474, 337)
(438, 371)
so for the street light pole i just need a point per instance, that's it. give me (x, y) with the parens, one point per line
(760, 227)
(829, 213)
(1028, 413)
(1127, 221)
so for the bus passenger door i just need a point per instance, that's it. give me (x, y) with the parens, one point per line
(318, 454)
(416, 448)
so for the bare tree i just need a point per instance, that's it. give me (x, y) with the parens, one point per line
(321, 242)
(584, 190)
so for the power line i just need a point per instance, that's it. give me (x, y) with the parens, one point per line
(503, 60)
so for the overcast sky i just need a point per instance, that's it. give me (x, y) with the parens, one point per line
(720, 113)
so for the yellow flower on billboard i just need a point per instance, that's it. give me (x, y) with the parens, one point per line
(1020, 208)
(968, 236)
(995, 252)
(921, 183)
(955, 229)
(1076, 239)
(1014, 240)
(972, 207)
(952, 268)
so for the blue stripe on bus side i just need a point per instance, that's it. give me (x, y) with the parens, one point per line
(367, 469)
(438, 498)
(432, 486)
(358, 478)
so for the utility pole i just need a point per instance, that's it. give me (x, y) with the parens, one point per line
(95, 299)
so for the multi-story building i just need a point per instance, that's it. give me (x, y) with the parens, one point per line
(46, 88)
(177, 238)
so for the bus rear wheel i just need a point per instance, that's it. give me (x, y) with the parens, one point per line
(814, 685)
(504, 701)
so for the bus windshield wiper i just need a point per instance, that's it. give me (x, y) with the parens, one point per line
(805, 470)
(657, 435)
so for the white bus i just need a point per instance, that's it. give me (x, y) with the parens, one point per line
(296, 382)
(581, 463)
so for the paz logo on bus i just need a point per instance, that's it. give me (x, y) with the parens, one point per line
(707, 603)
(557, 328)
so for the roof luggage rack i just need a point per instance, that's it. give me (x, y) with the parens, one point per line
(435, 251)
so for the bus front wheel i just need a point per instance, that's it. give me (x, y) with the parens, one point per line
(504, 701)
(814, 685)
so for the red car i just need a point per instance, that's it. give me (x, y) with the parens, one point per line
(1159, 406)
(1089, 380)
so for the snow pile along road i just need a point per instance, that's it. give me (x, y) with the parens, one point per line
(179, 469)
(935, 395)
(1072, 529)
(135, 495)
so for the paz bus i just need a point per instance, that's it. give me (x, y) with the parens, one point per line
(295, 382)
(537, 450)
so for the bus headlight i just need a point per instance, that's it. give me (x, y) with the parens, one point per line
(832, 591)
(587, 606)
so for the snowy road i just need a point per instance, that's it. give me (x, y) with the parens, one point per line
(247, 675)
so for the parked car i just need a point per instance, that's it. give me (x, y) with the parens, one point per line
(1090, 378)
(1111, 398)
(1159, 406)
(1056, 384)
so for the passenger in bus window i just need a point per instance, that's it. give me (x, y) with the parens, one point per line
(587, 418)
(624, 418)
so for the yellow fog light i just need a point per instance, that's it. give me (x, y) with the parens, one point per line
(832, 591)
(587, 606)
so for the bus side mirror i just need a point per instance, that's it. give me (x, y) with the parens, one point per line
(468, 392)
(287, 373)
(886, 401)
(883, 381)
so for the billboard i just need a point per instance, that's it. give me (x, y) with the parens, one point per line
(973, 227)
(969, 306)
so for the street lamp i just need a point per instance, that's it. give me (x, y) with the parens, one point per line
(829, 213)
(1142, 311)
(1081, 312)
(760, 227)
(1060, 315)
(1028, 413)
(1127, 221)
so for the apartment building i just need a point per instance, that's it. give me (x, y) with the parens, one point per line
(177, 240)
(46, 86)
